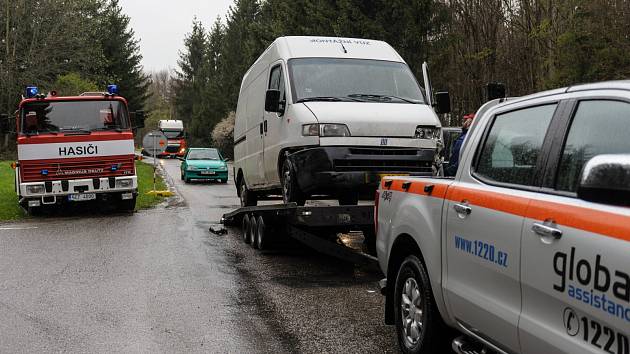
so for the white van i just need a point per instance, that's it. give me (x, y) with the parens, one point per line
(331, 116)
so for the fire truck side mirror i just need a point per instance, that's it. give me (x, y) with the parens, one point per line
(139, 118)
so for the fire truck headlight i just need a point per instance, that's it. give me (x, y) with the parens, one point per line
(124, 183)
(35, 189)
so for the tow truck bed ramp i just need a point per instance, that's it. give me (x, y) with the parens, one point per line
(314, 226)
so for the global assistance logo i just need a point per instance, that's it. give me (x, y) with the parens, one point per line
(594, 283)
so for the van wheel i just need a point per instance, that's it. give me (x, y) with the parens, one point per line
(418, 323)
(248, 198)
(291, 192)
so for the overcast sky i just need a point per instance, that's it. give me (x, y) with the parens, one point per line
(161, 25)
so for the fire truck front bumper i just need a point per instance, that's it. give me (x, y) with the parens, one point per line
(51, 192)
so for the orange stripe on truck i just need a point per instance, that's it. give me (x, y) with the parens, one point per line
(596, 221)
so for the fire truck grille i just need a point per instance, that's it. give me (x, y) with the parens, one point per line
(35, 171)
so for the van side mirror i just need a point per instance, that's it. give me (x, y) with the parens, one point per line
(606, 179)
(442, 102)
(138, 119)
(272, 101)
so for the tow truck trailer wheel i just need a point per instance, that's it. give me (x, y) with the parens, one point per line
(251, 234)
(260, 234)
(418, 322)
(245, 228)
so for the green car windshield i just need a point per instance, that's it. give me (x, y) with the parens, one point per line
(203, 155)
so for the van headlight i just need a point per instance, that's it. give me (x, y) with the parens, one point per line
(330, 130)
(124, 183)
(35, 189)
(427, 132)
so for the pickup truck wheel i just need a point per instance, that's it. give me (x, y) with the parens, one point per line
(349, 199)
(417, 319)
(291, 192)
(245, 228)
(248, 198)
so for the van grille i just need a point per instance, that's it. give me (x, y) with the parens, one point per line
(31, 171)
(383, 166)
(383, 152)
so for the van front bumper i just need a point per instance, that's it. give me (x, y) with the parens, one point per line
(335, 169)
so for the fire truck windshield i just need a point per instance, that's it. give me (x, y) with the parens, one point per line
(42, 117)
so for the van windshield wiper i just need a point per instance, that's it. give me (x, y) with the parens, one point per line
(381, 97)
(322, 98)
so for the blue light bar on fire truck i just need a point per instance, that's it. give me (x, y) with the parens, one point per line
(112, 89)
(31, 91)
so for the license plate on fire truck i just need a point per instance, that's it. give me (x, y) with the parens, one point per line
(81, 197)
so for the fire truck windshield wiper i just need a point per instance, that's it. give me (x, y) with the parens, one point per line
(76, 131)
(101, 129)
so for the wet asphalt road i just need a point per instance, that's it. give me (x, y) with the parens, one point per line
(159, 281)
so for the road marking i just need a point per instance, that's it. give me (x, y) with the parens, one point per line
(19, 228)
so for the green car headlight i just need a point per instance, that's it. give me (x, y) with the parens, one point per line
(191, 168)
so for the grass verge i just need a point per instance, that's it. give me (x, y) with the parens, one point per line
(10, 210)
(145, 184)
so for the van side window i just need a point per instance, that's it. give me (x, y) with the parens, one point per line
(276, 81)
(598, 127)
(511, 150)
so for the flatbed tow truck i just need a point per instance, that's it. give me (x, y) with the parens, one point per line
(317, 227)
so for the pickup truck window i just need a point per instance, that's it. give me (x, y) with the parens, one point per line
(598, 127)
(512, 146)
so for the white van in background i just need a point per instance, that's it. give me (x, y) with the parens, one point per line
(331, 116)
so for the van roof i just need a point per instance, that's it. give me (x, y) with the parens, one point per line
(335, 47)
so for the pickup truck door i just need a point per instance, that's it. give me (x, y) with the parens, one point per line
(484, 220)
(576, 263)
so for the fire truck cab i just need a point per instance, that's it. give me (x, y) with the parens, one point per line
(75, 149)
(174, 132)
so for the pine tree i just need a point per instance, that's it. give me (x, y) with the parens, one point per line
(122, 55)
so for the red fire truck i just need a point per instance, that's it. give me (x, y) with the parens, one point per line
(75, 149)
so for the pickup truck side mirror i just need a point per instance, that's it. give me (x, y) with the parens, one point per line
(442, 102)
(495, 90)
(606, 179)
(138, 119)
(272, 101)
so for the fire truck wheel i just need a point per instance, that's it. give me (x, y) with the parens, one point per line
(128, 205)
(35, 211)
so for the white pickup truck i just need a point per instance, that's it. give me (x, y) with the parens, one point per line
(527, 249)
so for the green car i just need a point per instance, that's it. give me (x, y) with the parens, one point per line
(204, 163)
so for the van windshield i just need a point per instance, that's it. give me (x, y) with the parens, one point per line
(334, 79)
(73, 116)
